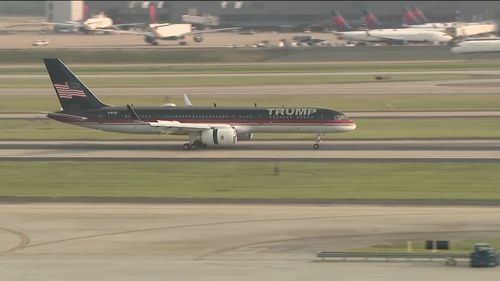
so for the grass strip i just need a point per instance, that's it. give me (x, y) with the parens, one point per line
(166, 82)
(232, 179)
(345, 103)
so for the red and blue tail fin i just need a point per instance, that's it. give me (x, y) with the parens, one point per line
(370, 20)
(419, 15)
(409, 18)
(339, 22)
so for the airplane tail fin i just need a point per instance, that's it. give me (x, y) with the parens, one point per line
(339, 22)
(409, 18)
(370, 19)
(72, 93)
(152, 13)
(419, 15)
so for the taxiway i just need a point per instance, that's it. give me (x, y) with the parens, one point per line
(432, 150)
(227, 242)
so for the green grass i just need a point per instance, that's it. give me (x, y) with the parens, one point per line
(263, 68)
(301, 180)
(44, 82)
(368, 128)
(346, 103)
(456, 246)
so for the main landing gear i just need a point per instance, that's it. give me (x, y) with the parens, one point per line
(197, 144)
(318, 140)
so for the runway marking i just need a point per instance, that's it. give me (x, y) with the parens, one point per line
(23, 243)
(26, 242)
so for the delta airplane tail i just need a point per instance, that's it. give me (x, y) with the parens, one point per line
(370, 20)
(152, 13)
(409, 18)
(73, 95)
(339, 23)
(418, 14)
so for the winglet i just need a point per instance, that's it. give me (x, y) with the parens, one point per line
(133, 114)
(187, 102)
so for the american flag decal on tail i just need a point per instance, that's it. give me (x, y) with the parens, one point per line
(69, 90)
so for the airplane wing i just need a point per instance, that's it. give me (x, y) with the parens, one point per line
(210, 31)
(119, 31)
(387, 38)
(170, 126)
(76, 24)
(176, 126)
(136, 24)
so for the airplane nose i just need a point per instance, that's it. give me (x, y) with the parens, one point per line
(352, 126)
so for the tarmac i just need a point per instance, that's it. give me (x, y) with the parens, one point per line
(82, 41)
(63, 241)
(175, 241)
(394, 150)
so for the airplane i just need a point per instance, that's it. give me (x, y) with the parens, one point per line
(477, 45)
(389, 35)
(414, 18)
(205, 126)
(96, 24)
(168, 31)
(171, 32)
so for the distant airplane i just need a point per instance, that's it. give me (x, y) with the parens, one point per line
(477, 45)
(205, 126)
(414, 18)
(388, 35)
(169, 31)
(97, 23)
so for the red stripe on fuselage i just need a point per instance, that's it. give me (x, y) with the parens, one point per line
(213, 121)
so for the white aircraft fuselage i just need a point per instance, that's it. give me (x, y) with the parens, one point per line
(397, 34)
(478, 45)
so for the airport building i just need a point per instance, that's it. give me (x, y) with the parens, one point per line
(262, 14)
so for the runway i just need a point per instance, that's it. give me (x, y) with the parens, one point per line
(427, 150)
(228, 242)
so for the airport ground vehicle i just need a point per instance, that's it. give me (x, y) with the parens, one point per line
(40, 43)
(483, 256)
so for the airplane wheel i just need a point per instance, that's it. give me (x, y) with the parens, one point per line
(316, 146)
(195, 146)
(186, 146)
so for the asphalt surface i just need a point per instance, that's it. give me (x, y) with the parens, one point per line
(47, 242)
(427, 150)
(82, 41)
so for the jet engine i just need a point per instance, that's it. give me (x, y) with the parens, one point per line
(245, 136)
(213, 137)
(198, 38)
(150, 39)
